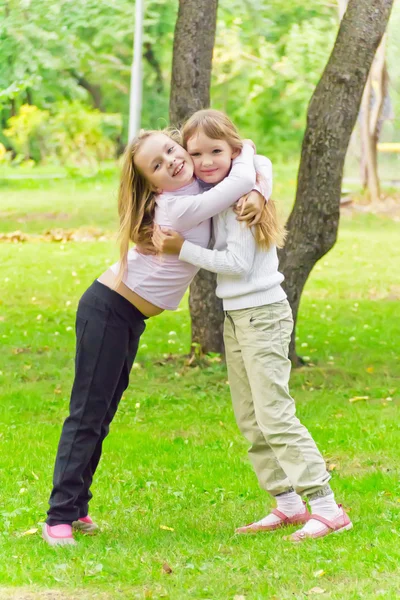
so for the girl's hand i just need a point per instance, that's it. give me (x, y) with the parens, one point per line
(167, 241)
(251, 144)
(249, 208)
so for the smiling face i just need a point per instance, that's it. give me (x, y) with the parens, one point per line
(165, 164)
(212, 158)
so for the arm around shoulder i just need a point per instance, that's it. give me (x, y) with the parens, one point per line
(188, 211)
(264, 183)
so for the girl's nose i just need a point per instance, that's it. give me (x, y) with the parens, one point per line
(207, 161)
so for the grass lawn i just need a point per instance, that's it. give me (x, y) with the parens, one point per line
(174, 480)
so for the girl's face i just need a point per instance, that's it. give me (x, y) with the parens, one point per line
(165, 164)
(212, 158)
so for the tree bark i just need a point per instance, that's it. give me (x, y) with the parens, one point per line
(153, 62)
(332, 113)
(190, 91)
(93, 90)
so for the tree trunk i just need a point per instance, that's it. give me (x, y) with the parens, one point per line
(190, 91)
(153, 62)
(332, 113)
(369, 145)
(371, 117)
(93, 90)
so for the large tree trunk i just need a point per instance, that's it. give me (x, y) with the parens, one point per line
(332, 113)
(190, 91)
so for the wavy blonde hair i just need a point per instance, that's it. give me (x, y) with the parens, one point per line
(136, 199)
(217, 126)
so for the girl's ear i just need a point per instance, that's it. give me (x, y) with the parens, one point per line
(235, 153)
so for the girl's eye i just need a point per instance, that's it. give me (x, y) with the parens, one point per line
(217, 151)
(171, 149)
(157, 166)
(195, 154)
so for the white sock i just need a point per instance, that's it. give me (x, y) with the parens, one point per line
(324, 507)
(289, 504)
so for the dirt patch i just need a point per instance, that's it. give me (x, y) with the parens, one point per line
(88, 234)
(49, 216)
(29, 594)
(389, 207)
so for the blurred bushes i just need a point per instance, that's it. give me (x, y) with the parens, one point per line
(69, 134)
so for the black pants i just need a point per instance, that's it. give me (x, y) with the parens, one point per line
(108, 329)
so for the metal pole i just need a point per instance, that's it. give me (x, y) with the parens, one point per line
(135, 101)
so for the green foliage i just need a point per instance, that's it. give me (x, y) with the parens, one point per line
(264, 76)
(269, 54)
(71, 133)
(26, 129)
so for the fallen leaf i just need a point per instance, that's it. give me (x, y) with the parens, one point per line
(20, 350)
(358, 398)
(166, 528)
(319, 573)
(166, 568)
(332, 467)
(30, 531)
(96, 569)
(316, 590)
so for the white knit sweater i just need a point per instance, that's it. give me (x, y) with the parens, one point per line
(247, 275)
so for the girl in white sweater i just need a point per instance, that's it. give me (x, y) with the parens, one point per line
(257, 331)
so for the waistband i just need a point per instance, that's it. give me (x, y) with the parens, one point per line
(121, 304)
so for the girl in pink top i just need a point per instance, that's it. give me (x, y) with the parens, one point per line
(157, 185)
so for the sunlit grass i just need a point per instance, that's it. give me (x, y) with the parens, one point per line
(174, 480)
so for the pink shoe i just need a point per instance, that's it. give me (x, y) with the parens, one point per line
(85, 524)
(340, 523)
(58, 535)
(298, 519)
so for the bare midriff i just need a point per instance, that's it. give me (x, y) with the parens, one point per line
(147, 308)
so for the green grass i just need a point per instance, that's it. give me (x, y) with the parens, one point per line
(174, 457)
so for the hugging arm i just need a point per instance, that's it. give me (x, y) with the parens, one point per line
(189, 211)
(250, 206)
(236, 259)
(264, 178)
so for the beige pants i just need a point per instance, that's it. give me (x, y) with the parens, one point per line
(282, 451)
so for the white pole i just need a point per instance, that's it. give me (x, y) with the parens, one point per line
(135, 102)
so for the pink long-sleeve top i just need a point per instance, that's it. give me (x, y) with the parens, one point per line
(163, 280)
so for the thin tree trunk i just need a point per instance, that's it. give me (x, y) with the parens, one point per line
(332, 113)
(93, 90)
(190, 91)
(153, 62)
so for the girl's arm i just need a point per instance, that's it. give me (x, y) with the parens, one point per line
(263, 167)
(237, 259)
(186, 212)
(254, 202)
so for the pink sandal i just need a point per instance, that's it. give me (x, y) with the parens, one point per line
(58, 535)
(340, 523)
(298, 519)
(85, 525)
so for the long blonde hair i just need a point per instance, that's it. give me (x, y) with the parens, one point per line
(217, 126)
(136, 200)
